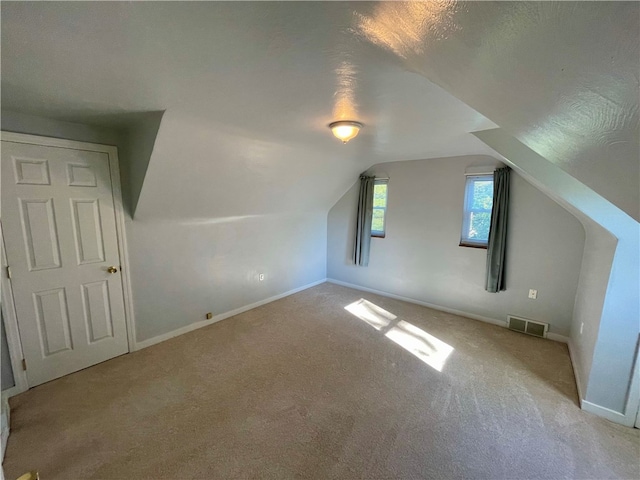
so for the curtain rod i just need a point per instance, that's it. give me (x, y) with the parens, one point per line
(377, 178)
(478, 172)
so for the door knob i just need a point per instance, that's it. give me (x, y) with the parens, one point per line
(112, 269)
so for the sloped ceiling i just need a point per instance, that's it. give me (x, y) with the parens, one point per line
(249, 89)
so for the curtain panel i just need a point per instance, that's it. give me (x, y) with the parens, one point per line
(496, 249)
(362, 242)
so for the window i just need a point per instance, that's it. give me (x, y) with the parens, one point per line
(478, 201)
(379, 208)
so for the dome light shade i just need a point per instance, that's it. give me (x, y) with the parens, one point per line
(345, 130)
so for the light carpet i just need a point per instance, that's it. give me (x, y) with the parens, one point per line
(303, 388)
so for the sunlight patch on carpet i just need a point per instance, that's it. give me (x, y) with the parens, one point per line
(431, 350)
(369, 312)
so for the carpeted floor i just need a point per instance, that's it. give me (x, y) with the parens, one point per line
(302, 388)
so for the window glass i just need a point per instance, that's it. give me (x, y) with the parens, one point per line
(478, 201)
(378, 226)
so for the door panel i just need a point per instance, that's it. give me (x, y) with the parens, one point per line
(88, 231)
(31, 171)
(81, 175)
(53, 321)
(97, 310)
(39, 233)
(61, 238)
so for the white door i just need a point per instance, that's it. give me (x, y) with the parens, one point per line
(60, 234)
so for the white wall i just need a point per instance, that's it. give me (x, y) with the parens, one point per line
(420, 257)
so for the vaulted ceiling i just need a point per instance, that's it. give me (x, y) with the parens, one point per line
(249, 88)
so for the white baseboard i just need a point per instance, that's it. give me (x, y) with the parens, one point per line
(221, 316)
(556, 337)
(550, 336)
(493, 321)
(617, 417)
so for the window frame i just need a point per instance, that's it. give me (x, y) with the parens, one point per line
(470, 180)
(378, 233)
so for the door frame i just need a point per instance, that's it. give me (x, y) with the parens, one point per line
(11, 328)
(10, 319)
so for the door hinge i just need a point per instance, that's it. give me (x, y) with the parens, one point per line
(8, 271)
(24, 364)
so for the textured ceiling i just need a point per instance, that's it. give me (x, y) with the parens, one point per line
(562, 77)
(249, 88)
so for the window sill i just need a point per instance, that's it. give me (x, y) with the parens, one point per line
(473, 245)
(375, 235)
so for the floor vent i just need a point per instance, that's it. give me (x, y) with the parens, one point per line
(530, 327)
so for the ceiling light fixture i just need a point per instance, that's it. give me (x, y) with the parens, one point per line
(345, 130)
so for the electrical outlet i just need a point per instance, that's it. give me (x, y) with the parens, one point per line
(533, 294)
(209, 316)
(261, 277)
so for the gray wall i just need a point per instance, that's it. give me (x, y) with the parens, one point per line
(598, 254)
(420, 257)
(135, 148)
(182, 270)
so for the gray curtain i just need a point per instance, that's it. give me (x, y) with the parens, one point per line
(498, 232)
(363, 222)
